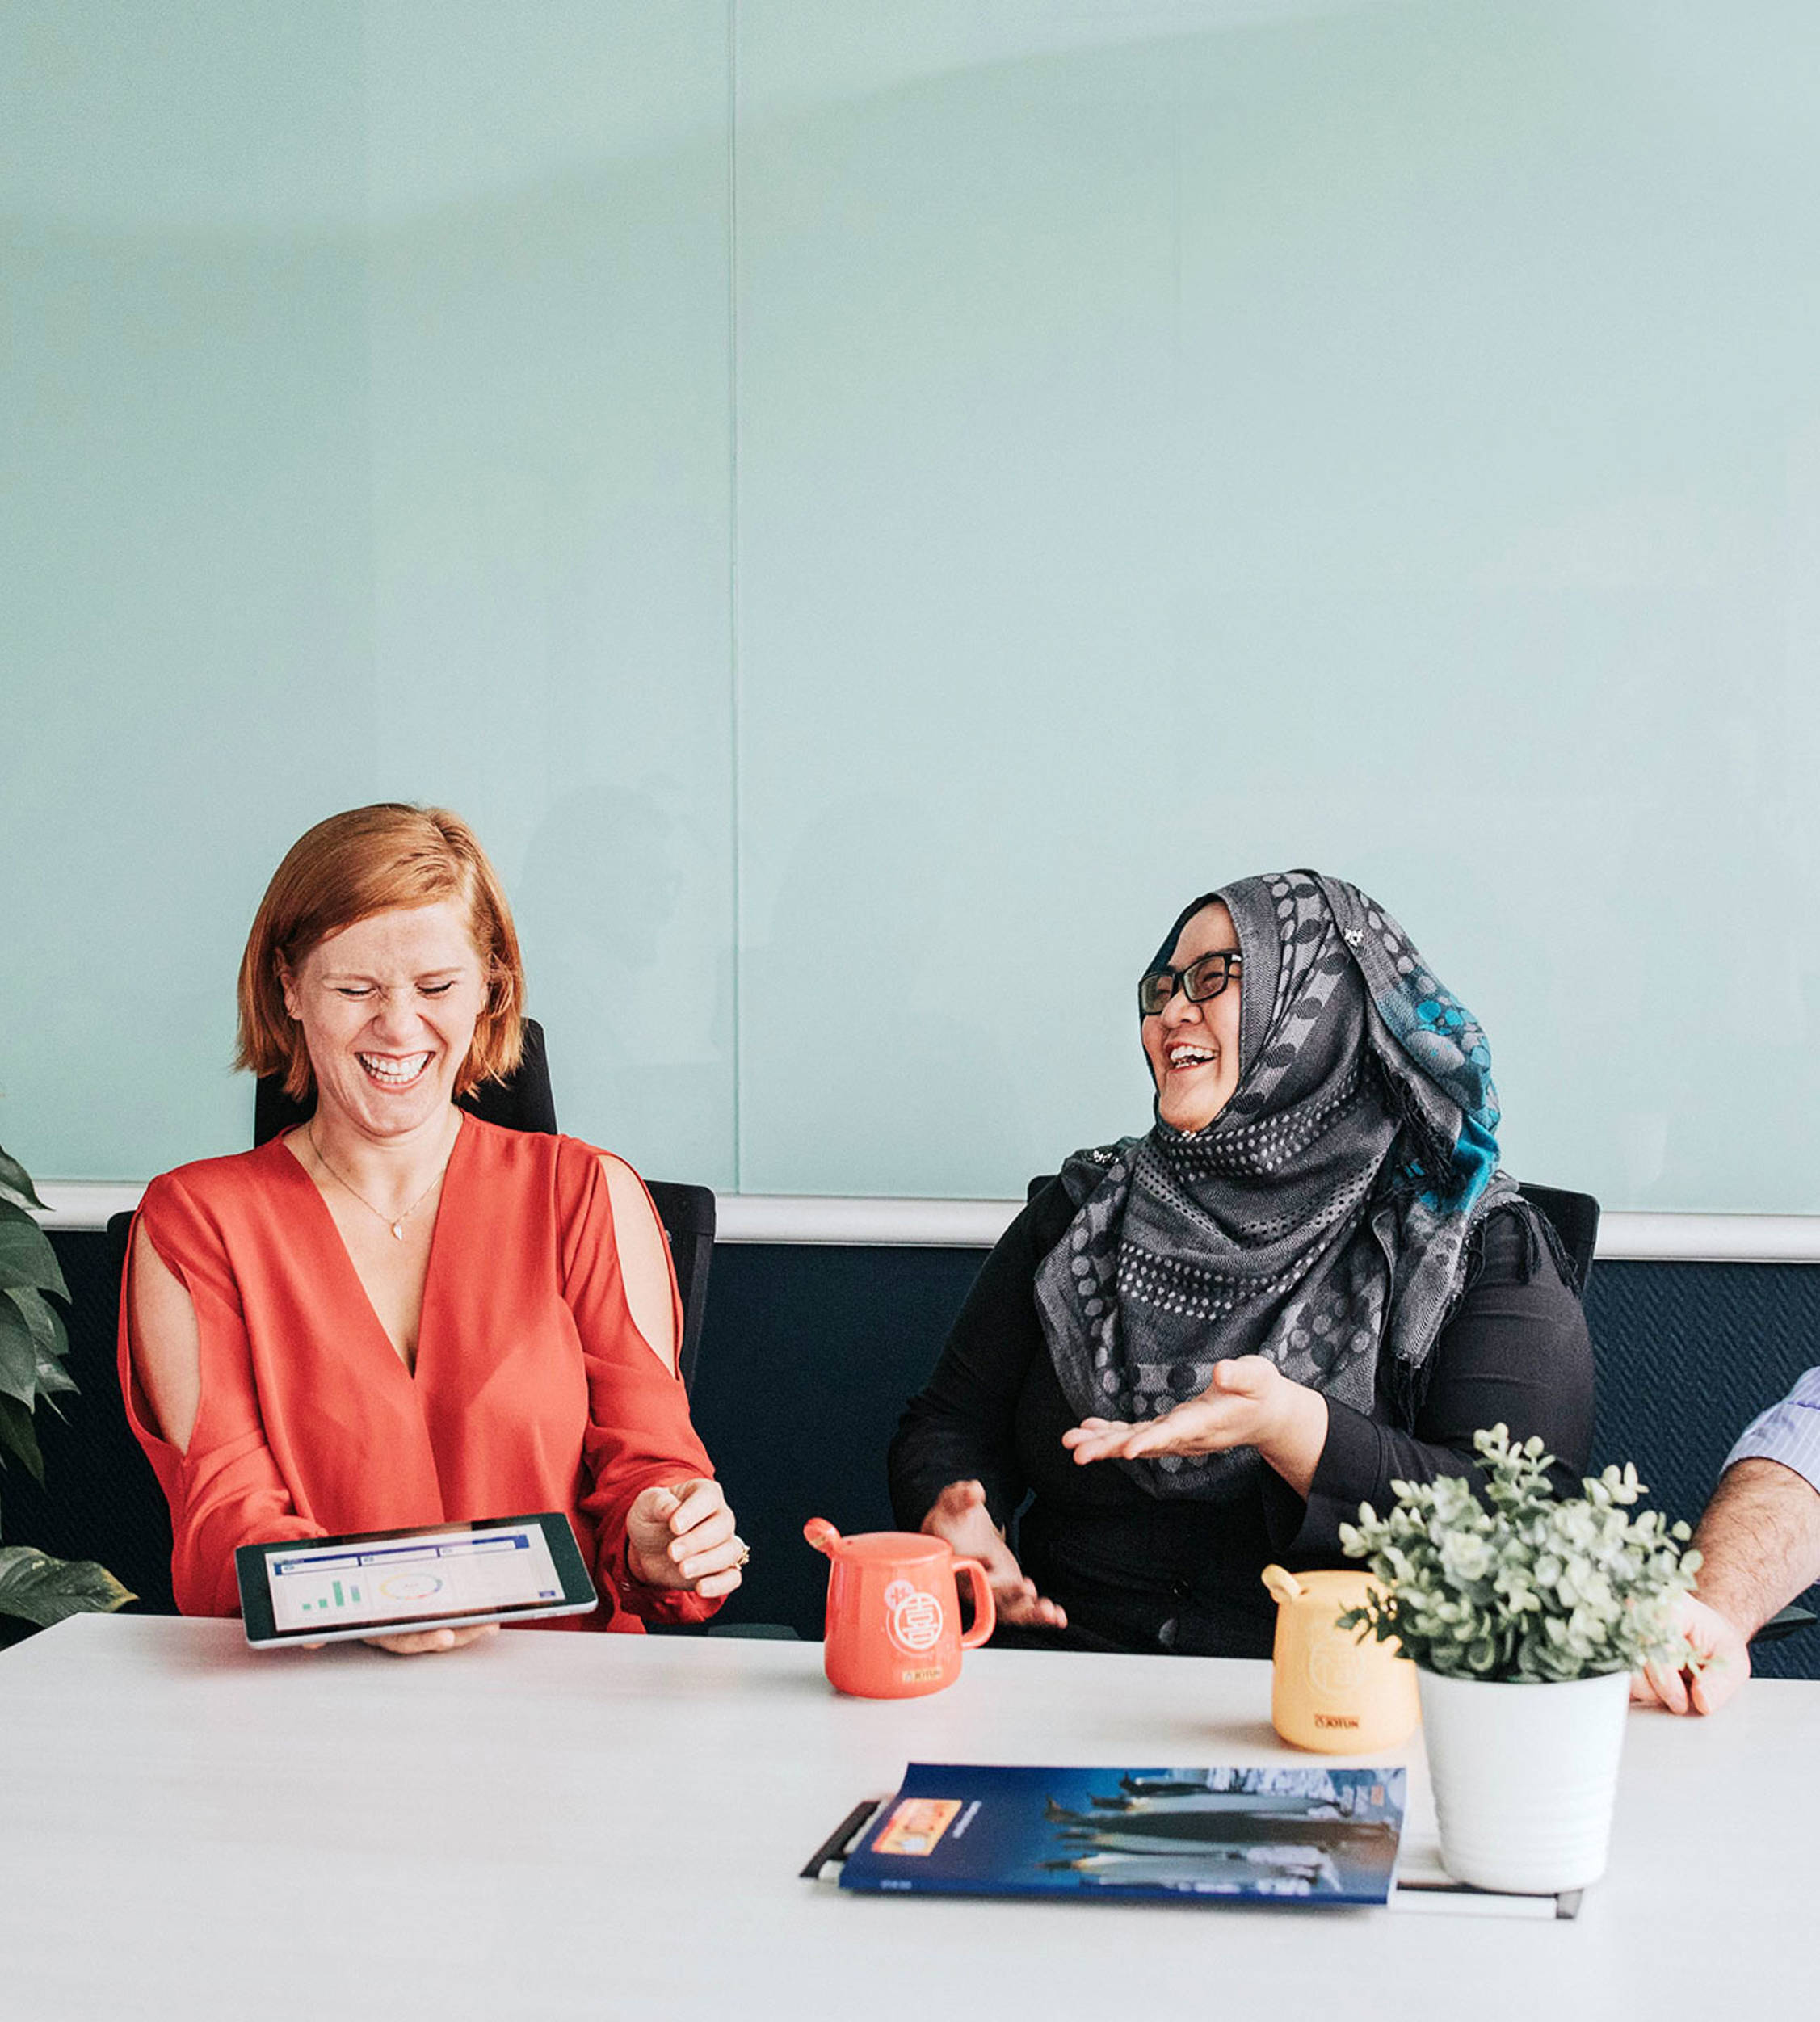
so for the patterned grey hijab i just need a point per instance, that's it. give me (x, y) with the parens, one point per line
(1321, 1220)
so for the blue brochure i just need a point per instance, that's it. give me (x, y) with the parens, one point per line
(1262, 1835)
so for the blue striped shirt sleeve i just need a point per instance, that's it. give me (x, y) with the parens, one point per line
(1788, 1432)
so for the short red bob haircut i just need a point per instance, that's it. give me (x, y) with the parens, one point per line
(376, 859)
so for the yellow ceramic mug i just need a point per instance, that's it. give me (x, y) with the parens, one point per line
(1329, 1691)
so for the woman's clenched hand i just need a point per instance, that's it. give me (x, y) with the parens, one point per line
(683, 1537)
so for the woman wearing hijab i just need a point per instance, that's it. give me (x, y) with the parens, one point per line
(1198, 1351)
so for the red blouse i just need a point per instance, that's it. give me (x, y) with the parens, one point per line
(533, 1389)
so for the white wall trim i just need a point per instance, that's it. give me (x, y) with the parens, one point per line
(87, 1203)
(941, 1224)
(1643, 1238)
(977, 1225)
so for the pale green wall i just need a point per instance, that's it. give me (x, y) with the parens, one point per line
(868, 507)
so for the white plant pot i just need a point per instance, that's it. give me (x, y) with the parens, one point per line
(1524, 1777)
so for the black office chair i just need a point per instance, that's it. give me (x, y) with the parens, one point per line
(523, 1101)
(1574, 1219)
(688, 1215)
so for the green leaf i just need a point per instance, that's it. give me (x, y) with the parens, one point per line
(47, 1337)
(26, 1254)
(54, 1381)
(18, 1354)
(14, 1180)
(16, 1435)
(45, 1590)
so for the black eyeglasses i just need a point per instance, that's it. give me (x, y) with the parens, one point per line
(1202, 980)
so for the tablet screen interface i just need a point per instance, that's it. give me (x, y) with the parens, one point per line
(439, 1573)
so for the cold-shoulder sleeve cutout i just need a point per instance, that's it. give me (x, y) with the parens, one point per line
(224, 1486)
(166, 1392)
(638, 1434)
(644, 1265)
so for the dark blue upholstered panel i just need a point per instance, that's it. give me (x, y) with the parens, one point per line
(810, 1353)
(1688, 1354)
(809, 1357)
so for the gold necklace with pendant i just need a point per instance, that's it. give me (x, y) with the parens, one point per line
(396, 1225)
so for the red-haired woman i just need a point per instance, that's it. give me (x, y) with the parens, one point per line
(396, 1314)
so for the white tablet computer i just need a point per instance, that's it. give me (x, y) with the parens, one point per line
(319, 1590)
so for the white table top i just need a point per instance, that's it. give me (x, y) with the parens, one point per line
(568, 1825)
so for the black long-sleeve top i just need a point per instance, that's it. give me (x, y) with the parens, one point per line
(1135, 1571)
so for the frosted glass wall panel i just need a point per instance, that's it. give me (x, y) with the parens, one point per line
(549, 206)
(1202, 440)
(187, 640)
(366, 380)
(960, 501)
(1171, 440)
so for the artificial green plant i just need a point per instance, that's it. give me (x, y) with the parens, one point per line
(1521, 1585)
(32, 1348)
